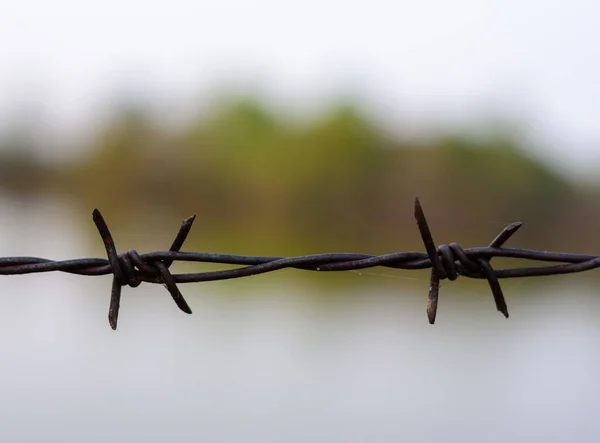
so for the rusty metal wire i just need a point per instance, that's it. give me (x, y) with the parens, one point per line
(446, 262)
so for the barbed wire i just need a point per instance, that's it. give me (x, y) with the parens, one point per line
(446, 262)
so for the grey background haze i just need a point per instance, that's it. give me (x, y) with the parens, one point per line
(421, 65)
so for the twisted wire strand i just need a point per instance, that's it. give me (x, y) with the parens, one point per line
(445, 261)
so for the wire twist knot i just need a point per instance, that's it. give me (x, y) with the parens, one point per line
(131, 269)
(450, 261)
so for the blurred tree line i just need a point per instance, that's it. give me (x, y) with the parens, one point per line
(270, 184)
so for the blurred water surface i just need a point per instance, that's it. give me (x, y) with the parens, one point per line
(275, 358)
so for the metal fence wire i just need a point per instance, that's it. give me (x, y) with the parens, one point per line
(445, 261)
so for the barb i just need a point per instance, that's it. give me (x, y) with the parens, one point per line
(446, 262)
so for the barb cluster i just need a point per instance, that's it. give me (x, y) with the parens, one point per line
(446, 262)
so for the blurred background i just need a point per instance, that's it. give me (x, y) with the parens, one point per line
(294, 129)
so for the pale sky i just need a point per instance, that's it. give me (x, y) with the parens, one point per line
(417, 63)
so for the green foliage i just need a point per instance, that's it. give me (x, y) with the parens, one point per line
(265, 182)
(21, 170)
